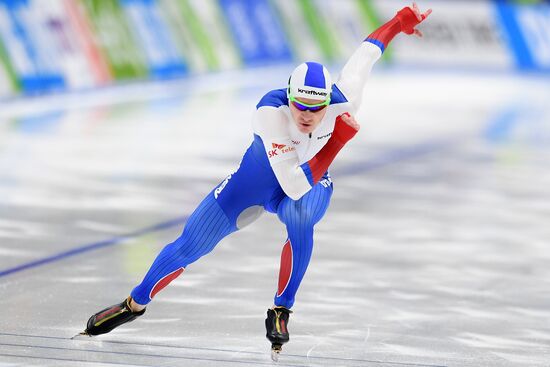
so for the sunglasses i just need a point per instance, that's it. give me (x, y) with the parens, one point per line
(308, 107)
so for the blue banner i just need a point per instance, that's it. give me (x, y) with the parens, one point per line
(527, 31)
(25, 37)
(153, 35)
(257, 31)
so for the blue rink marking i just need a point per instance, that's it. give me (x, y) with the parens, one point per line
(497, 128)
(94, 246)
(353, 169)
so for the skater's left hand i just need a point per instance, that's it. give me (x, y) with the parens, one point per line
(408, 23)
(345, 128)
(350, 120)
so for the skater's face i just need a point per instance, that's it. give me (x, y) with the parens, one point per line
(307, 120)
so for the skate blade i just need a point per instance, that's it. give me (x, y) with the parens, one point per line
(275, 352)
(81, 336)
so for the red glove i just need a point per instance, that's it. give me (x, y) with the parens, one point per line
(404, 21)
(409, 18)
(343, 132)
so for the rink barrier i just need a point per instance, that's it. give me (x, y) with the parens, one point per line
(527, 34)
(63, 45)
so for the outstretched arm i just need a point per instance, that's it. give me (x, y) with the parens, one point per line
(356, 71)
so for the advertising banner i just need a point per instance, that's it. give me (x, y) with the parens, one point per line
(115, 39)
(8, 80)
(527, 31)
(190, 37)
(154, 37)
(25, 36)
(206, 31)
(312, 16)
(303, 42)
(98, 68)
(6, 88)
(74, 44)
(459, 34)
(346, 25)
(257, 31)
(62, 41)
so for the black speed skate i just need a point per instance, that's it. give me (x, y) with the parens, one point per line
(111, 317)
(277, 331)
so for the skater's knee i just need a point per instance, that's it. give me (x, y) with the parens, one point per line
(300, 221)
(305, 213)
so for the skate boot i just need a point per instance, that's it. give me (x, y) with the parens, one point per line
(111, 317)
(277, 331)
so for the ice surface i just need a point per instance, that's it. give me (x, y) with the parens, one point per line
(434, 251)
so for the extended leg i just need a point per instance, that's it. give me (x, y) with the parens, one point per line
(234, 204)
(205, 228)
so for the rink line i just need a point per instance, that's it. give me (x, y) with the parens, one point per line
(380, 161)
(70, 360)
(129, 354)
(137, 364)
(177, 347)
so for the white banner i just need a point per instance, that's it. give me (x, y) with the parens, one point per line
(457, 34)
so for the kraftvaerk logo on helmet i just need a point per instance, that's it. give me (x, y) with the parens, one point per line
(312, 92)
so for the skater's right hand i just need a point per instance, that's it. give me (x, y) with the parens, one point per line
(410, 17)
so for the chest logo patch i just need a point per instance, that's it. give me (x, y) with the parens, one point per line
(279, 149)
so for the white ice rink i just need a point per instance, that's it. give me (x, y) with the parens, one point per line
(435, 250)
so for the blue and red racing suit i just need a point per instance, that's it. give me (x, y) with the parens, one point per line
(284, 171)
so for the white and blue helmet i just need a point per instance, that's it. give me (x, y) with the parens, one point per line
(310, 80)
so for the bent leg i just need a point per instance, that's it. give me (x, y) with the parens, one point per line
(233, 204)
(299, 217)
(205, 228)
